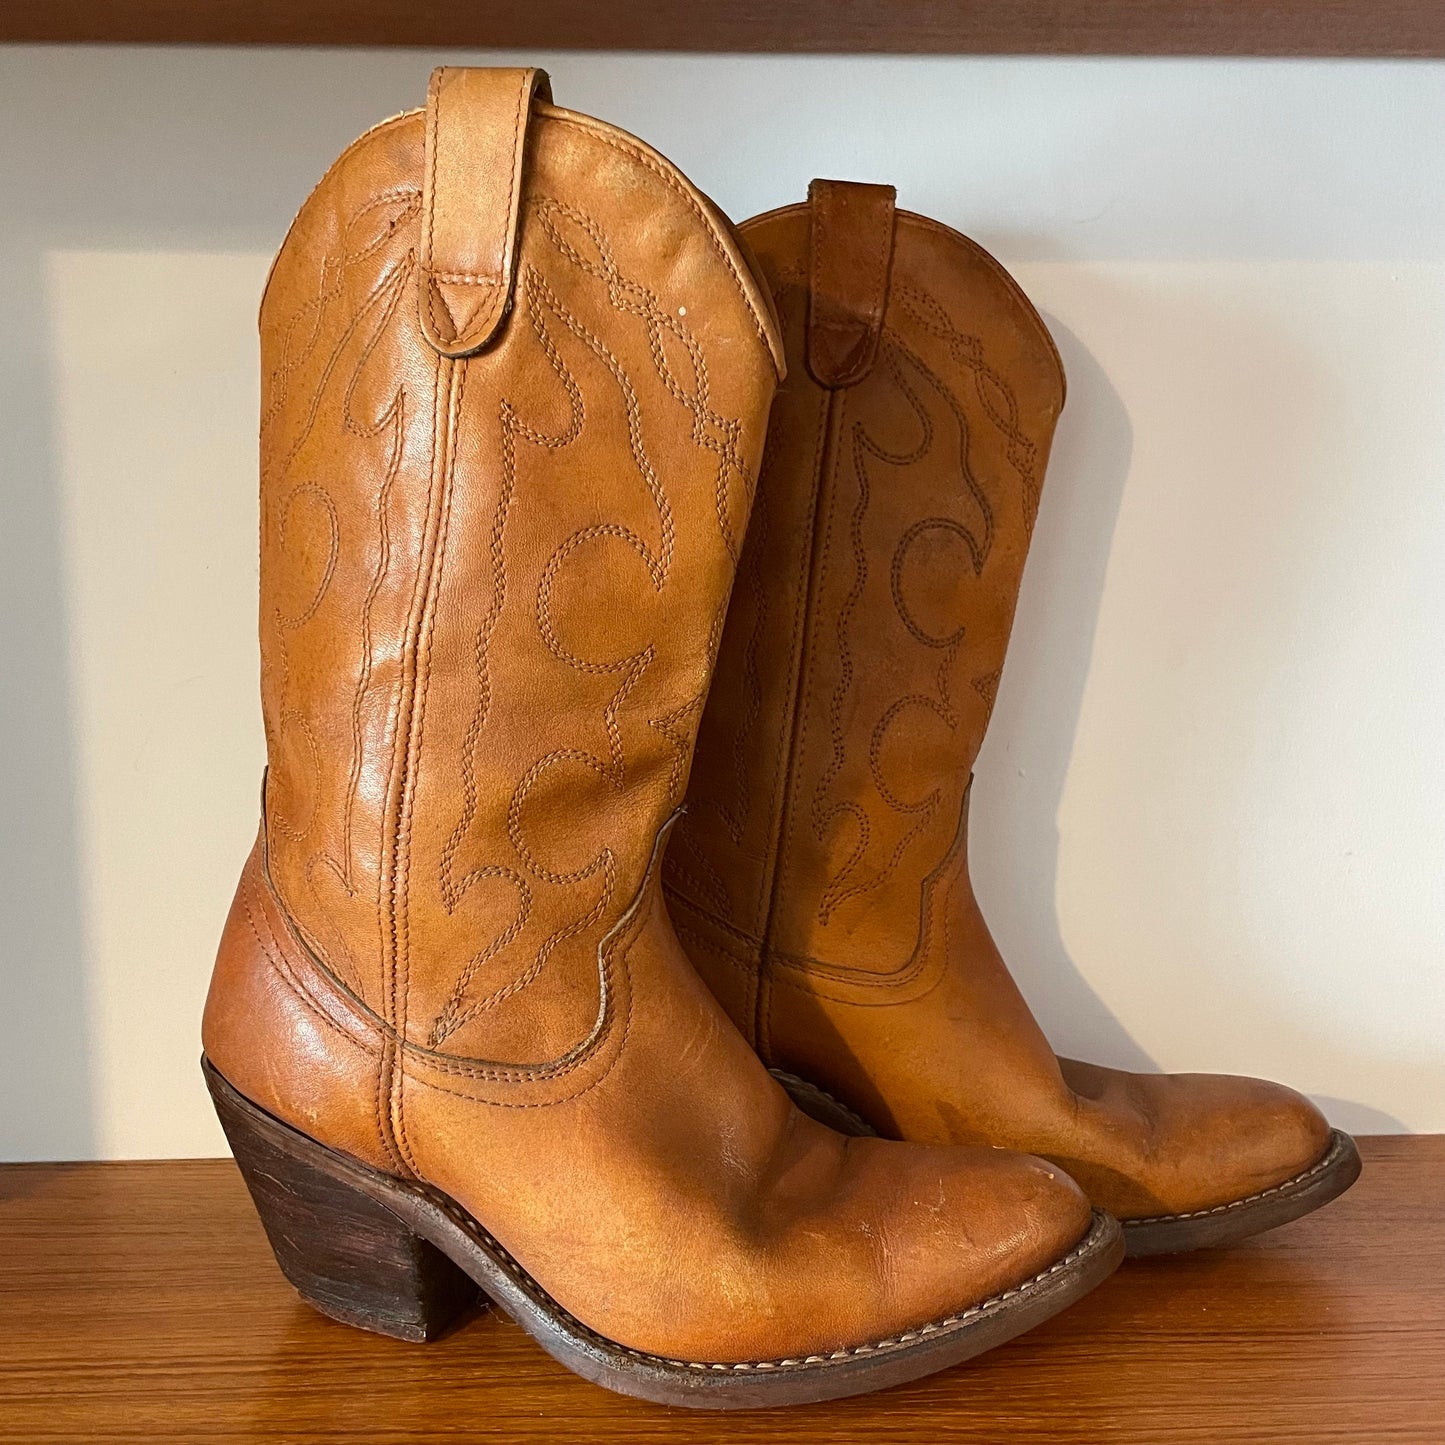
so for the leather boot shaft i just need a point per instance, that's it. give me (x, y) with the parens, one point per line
(858, 671)
(482, 670)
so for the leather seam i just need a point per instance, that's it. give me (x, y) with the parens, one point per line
(815, 565)
(434, 566)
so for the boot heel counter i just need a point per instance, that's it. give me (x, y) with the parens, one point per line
(282, 1036)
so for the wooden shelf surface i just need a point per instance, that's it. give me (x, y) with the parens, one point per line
(139, 1302)
(986, 27)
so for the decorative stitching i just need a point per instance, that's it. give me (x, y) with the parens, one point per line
(838, 890)
(669, 179)
(989, 385)
(332, 283)
(930, 911)
(710, 431)
(392, 282)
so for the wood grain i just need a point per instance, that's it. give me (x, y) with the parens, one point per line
(985, 27)
(139, 1302)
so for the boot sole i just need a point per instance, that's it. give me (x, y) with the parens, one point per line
(402, 1259)
(1223, 1224)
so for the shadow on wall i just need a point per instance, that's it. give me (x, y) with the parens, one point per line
(1014, 835)
(43, 1060)
(1198, 911)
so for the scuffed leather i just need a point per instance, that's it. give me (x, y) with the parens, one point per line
(492, 590)
(820, 878)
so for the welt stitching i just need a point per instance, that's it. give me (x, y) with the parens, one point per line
(524, 1281)
(1284, 1187)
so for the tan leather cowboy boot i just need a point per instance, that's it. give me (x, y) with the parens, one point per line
(820, 877)
(516, 375)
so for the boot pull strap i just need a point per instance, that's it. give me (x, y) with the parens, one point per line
(476, 129)
(851, 252)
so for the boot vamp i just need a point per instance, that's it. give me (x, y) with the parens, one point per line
(1153, 1144)
(949, 1053)
(679, 1204)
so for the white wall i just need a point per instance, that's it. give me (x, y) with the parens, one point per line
(1210, 819)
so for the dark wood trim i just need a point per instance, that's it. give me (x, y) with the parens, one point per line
(984, 27)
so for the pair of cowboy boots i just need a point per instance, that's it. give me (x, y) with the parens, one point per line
(517, 376)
